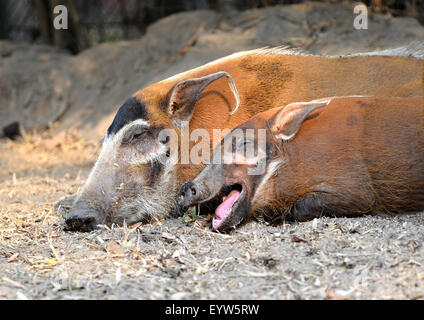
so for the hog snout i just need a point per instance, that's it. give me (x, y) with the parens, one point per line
(82, 218)
(189, 194)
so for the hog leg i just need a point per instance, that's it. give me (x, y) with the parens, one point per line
(317, 204)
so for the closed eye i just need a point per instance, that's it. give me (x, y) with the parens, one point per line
(138, 135)
(135, 135)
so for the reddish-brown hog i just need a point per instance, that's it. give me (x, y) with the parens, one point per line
(133, 181)
(341, 156)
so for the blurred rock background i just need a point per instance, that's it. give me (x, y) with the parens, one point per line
(96, 21)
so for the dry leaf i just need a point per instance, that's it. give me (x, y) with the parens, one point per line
(13, 258)
(297, 239)
(168, 236)
(114, 248)
(337, 294)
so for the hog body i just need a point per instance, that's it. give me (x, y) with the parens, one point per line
(342, 156)
(131, 180)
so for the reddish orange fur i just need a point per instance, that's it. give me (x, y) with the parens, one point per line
(268, 80)
(369, 152)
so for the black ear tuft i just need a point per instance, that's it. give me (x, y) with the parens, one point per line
(174, 107)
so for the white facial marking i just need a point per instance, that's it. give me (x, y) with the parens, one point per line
(272, 168)
(108, 153)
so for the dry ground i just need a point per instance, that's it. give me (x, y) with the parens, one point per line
(368, 257)
(375, 257)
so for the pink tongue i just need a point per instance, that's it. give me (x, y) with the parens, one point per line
(224, 209)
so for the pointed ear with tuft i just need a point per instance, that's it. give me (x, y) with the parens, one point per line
(184, 95)
(287, 122)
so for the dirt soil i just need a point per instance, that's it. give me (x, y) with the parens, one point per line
(373, 257)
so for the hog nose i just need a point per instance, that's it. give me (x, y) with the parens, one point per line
(189, 194)
(82, 218)
(80, 223)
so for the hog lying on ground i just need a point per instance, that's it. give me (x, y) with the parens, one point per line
(341, 156)
(134, 179)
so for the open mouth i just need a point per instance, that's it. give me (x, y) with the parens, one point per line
(231, 196)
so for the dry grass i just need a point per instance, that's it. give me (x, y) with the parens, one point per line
(370, 257)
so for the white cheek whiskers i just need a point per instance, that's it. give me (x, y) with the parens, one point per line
(271, 170)
(154, 155)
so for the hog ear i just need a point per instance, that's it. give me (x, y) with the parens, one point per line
(288, 121)
(183, 97)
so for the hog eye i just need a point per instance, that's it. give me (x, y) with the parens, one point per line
(138, 135)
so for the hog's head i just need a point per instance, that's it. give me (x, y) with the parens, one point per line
(135, 176)
(245, 164)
